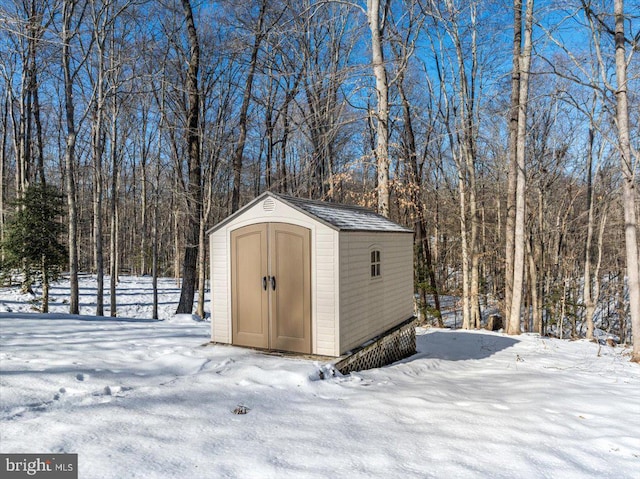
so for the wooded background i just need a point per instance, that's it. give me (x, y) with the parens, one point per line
(512, 152)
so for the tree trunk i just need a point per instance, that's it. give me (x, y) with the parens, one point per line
(202, 270)
(621, 309)
(24, 138)
(589, 300)
(533, 279)
(39, 138)
(154, 261)
(98, 151)
(176, 232)
(113, 250)
(35, 25)
(382, 96)
(590, 306)
(512, 160)
(156, 226)
(207, 205)
(464, 252)
(144, 227)
(45, 286)
(113, 207)
(283, 181)
(628, 187)
(3, 154)
(465, 163)
(519, 231)
(99, 253)
(421, 239)
(468, 147)
(69, 157)
(194, 188)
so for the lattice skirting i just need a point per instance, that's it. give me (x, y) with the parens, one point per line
(393, 345)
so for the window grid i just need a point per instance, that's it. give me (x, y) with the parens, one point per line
(375, 264)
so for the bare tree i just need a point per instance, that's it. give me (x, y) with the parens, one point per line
(376, 17)
(100, 20)
(244, 109)
(194, 189)
(592, 271)
(512, 150)
(403, 47)
(29, 21)
(68, 11)
(628, 164)
(35, 30)
(217, 87)
(325, 43)
(114, 210)
(513, 326)
(4, 125)
(459, 116)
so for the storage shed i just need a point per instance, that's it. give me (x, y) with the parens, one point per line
(306, 276)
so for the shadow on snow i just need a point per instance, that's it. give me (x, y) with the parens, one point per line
(74, 317)
(460, 345)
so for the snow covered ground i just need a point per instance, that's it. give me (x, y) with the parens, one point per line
(151, 399)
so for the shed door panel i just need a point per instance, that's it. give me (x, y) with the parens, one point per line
(278, 316)
(250, 300)
(290, 305)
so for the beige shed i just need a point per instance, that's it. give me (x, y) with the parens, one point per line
(306, 276)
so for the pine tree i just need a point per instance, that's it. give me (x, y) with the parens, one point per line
(32, 241)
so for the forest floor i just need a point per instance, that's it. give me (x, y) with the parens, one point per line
(152, 399)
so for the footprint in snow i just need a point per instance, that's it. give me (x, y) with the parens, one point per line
(57, 395)
(116, 391)
(80, 377)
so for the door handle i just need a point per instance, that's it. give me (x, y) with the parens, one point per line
(273, 283)
(264, 283)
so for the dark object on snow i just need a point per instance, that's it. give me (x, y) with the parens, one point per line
(611, 342)
(323, 373)
(240, 409)
(494, 323)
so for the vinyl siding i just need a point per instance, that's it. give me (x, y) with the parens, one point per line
(324, 290)
(220, 293)
(371, 306)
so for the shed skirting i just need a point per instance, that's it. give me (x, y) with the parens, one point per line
(388, 347)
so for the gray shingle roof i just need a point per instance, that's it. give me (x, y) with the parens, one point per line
(338, 216)
(344, 217)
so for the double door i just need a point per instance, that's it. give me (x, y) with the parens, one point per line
(271, 287)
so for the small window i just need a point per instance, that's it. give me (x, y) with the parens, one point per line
(375, 264)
